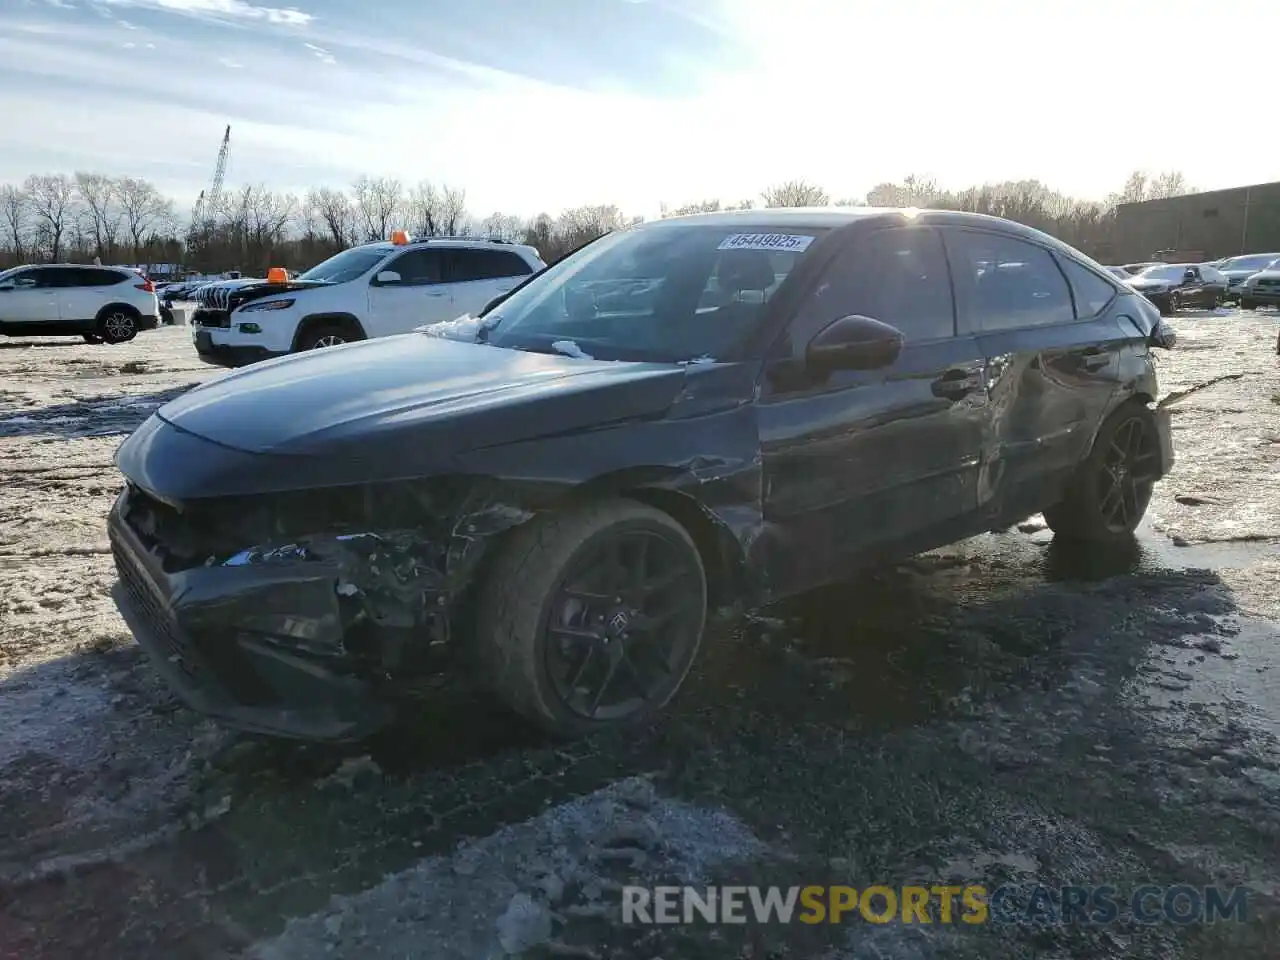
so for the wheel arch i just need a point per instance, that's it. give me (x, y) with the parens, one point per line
(312, 320)
(128, 308)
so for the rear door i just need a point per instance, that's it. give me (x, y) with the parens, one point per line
(1048, 329)
(476, 275)
(420, 296)
(874, 462)
(83, 291)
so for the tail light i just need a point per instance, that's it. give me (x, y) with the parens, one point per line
(147, 286)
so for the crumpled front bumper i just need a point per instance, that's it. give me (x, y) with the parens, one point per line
(231, 674)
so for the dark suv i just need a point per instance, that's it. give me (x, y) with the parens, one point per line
(686, 413)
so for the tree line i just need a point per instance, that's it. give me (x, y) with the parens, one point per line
(76, 217)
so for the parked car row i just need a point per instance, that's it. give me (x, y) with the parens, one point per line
(1252, 281)
(683, 414)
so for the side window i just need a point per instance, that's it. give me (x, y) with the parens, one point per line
(418, 267)
(43, 278)
(1014, 284)
(898, 276)
(104, 278)
(26, 280)
(1091, 291)
(467, 264)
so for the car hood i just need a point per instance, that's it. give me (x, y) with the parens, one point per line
(1238, 274)
(1143, 283)
(1268, 274)
(412, 393)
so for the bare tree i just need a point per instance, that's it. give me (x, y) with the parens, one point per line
(1171, 183)
(914, 191)
(795, 193)
(333, 208)
(503, 226)
(144, 210)
(267, 216)
(52, 198)
(13, 212)
(423, 212)
(378, 201)
(453, 211)
(103, 215)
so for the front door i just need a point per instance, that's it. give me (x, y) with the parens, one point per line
(867, 464)
(1047, 326)
(30, 297)
(418, 297)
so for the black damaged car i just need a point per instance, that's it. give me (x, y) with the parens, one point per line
(732, 407)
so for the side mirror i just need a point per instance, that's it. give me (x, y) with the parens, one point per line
(1162, 336)
(853, 343)
(387, 276)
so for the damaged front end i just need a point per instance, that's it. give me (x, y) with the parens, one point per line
(303, 614)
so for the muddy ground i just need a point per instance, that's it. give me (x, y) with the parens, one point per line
(1002, 711)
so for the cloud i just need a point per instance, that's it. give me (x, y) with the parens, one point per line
(321, 53)
(221, 11)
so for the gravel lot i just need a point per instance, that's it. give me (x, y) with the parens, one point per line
(1001, 711)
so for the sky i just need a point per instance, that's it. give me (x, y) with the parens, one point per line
(533, 105)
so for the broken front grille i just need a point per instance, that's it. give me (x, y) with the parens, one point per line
(155, 611)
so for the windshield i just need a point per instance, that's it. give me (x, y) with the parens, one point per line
(1168, 271)
(1253, 262)
(666, 293)
(347, 265)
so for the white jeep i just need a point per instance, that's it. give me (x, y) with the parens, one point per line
(373, 290)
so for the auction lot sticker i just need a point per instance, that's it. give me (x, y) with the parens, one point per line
(793, 243)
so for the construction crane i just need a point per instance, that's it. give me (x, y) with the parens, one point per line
(207, 204)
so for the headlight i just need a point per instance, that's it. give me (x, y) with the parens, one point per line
(266, 305)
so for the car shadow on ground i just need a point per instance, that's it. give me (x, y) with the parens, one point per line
(37, 344)
(106, 415)
(843, 709)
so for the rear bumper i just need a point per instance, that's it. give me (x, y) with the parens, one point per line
(227, 672)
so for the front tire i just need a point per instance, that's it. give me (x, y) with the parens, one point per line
(325, 335)
(1112, 487)
(592, 617)
(1247, 304)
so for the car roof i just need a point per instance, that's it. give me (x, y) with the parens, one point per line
(386, 246)
(835, 217)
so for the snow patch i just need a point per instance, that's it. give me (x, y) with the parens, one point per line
(571, 349)
(496, 895)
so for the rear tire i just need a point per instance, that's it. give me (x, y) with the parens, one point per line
(1112, 487)
(117, 324)
(617, 586)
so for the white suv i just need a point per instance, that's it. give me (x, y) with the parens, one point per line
(65, 300)
(373, 290)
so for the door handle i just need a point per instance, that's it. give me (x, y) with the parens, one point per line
(1095, 358)
(955, 384)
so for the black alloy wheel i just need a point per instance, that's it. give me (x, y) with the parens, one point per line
(1126, 474)
(621, 624)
